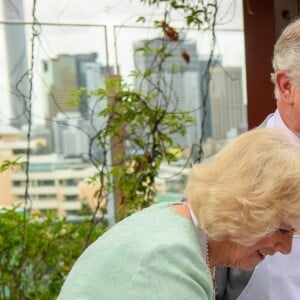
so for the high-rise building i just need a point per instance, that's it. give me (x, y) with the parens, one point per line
(226, 97)
(67, 73)
(15, 40)
(64, 74)
(205, 101)
(95, 76)
(81, 61)
(71, 136)
(177, 78)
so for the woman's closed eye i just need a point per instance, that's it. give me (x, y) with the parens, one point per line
(285, 230)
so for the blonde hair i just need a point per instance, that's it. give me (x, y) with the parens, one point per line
(287, 54)
(249, 188)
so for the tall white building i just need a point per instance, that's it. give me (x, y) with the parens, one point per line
(226, 99)
(16, 50)
(95, 76)
(70, 134)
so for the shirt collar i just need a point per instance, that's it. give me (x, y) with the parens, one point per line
(276, 122)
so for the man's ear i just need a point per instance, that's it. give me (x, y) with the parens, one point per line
(284, 86)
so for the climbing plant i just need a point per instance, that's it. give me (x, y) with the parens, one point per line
(138, 123)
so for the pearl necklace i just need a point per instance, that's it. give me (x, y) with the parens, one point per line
(211, 268)
(204, 244)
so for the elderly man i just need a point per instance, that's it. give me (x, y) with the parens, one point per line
(278, 276)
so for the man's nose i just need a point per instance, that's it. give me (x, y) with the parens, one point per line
(284, 245)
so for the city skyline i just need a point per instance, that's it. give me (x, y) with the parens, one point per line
(125, 37)
(58, 51)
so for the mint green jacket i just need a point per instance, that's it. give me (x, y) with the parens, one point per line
(154, 254)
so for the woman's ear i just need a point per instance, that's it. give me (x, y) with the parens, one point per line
(285, 87)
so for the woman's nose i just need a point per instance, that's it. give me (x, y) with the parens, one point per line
(284, 245)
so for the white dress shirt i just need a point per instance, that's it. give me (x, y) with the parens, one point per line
(278, 276)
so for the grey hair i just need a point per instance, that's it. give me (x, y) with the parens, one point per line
(287, 55)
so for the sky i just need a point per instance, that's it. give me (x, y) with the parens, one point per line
(117, 12)
(117, 16)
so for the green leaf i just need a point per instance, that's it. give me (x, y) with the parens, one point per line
(141, 19)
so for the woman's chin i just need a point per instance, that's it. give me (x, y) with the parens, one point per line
(250, 265)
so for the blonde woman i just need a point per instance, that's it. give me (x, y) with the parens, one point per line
(240, 207)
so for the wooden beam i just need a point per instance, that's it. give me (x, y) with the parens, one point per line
(259, 26)
(263, 23)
